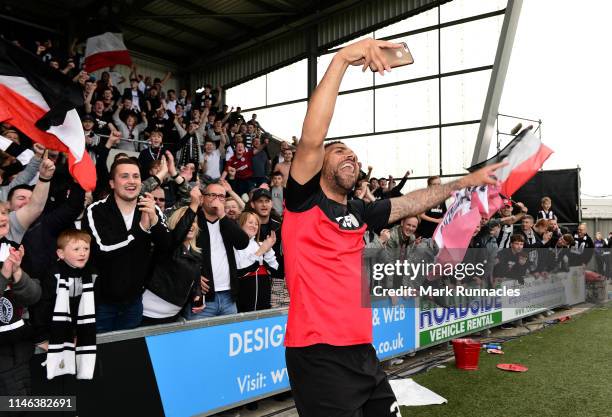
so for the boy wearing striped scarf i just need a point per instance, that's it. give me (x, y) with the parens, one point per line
(65, 316)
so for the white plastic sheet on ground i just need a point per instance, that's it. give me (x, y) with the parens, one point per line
(409, 393)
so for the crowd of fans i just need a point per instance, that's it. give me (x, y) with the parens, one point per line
(185, 224)
(512, 245)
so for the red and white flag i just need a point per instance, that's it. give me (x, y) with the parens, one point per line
(105, 50)
(525, 155)
(41, 102)
(454, 232)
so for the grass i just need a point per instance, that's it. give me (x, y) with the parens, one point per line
(570, 374)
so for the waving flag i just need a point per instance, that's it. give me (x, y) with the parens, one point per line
(525, 155)
(106, 49)
(41, 102)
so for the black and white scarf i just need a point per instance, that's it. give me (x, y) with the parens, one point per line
(63, 356)
(20, 152)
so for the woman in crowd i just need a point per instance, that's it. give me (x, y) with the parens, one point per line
(255, 263)
(174, 276)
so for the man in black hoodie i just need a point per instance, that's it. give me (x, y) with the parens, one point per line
(124, 229)
(218, 238)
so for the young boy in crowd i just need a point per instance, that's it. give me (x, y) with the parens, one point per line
(546, 209)
(64, 319)
(277, 190)
(152, 153)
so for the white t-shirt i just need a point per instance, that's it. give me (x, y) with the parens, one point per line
(128, 219)
(213, 168)
(171, 105)
(218, 258)
(135, 100)
(156, 307)
(229, 152)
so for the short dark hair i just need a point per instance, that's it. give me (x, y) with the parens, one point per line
(280, 174)
(122, 161)
(120, 155)
(19, 187)
(569, 239)
(333, 142)
(517, 238)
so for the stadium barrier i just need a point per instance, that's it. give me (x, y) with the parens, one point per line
(201, 367)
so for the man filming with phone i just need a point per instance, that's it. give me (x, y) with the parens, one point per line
(332, 365)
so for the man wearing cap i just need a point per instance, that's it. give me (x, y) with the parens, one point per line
(269, 221)
(508, 219)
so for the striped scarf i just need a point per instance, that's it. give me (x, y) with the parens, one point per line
(64, 355)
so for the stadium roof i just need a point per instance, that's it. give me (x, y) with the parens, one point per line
(195, 33)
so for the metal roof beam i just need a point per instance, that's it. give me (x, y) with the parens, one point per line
(266, 6)
(189, 29)
(203, 10)
(162, 38)
(208, 15)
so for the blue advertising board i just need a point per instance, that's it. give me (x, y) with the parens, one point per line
(203, 369)
(394, 327)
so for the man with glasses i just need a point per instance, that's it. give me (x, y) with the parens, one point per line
(218, 238)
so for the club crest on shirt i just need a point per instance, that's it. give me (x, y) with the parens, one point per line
(6, 310)
(348, 222)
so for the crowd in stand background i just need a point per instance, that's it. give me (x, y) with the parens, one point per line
(184, 222)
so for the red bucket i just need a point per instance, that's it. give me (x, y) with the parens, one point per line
(467, 352)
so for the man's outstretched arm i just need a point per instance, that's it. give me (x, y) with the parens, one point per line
(419, 201)
(308, 158)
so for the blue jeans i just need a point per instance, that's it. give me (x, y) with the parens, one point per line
(110, 317)
(222, 305)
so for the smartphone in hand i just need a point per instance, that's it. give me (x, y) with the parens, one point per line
(396, 57)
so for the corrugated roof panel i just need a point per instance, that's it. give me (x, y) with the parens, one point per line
(254, 62)
(162, 7)
(367, 17)
(212, 26)
(341, 26)
(228, 6)
(155, 44)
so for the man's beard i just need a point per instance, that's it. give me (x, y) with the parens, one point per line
(345, 184)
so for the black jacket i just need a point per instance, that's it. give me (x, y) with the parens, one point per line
(127, 93)
(41, 313)
(175, 275)
(40, 240)
(123, 258)
(233, 237)
(509, 266)
(265, 230)
(146, 158)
